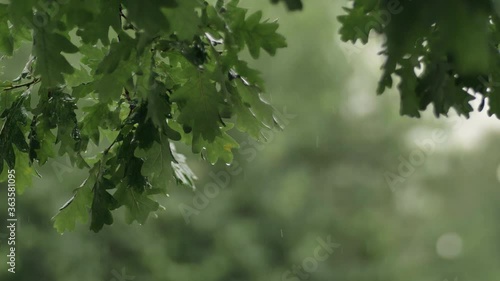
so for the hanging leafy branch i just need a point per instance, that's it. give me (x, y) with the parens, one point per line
(443, 53)
(150, 74)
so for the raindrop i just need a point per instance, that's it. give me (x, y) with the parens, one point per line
(245, 81)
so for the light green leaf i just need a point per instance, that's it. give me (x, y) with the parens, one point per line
(76, 209)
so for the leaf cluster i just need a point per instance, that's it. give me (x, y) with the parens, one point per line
(146, 75)
(444, 53)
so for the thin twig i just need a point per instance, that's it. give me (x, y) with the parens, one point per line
(27, 84)
(122, 15)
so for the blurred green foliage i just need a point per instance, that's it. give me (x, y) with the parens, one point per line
(322, 177)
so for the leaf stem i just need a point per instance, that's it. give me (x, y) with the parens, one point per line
(132, 107)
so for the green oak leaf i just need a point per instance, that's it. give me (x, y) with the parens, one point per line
(157, 163)
(98, 116)
(56, 109)
(12, 133)
(200, 104)
(76, 209)
(183, 19)
(23, 171)
(50, 63)
(221, 148)
(252, 32)
(159, 109)
(103, 17)
(138, 205)
(102, 204)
